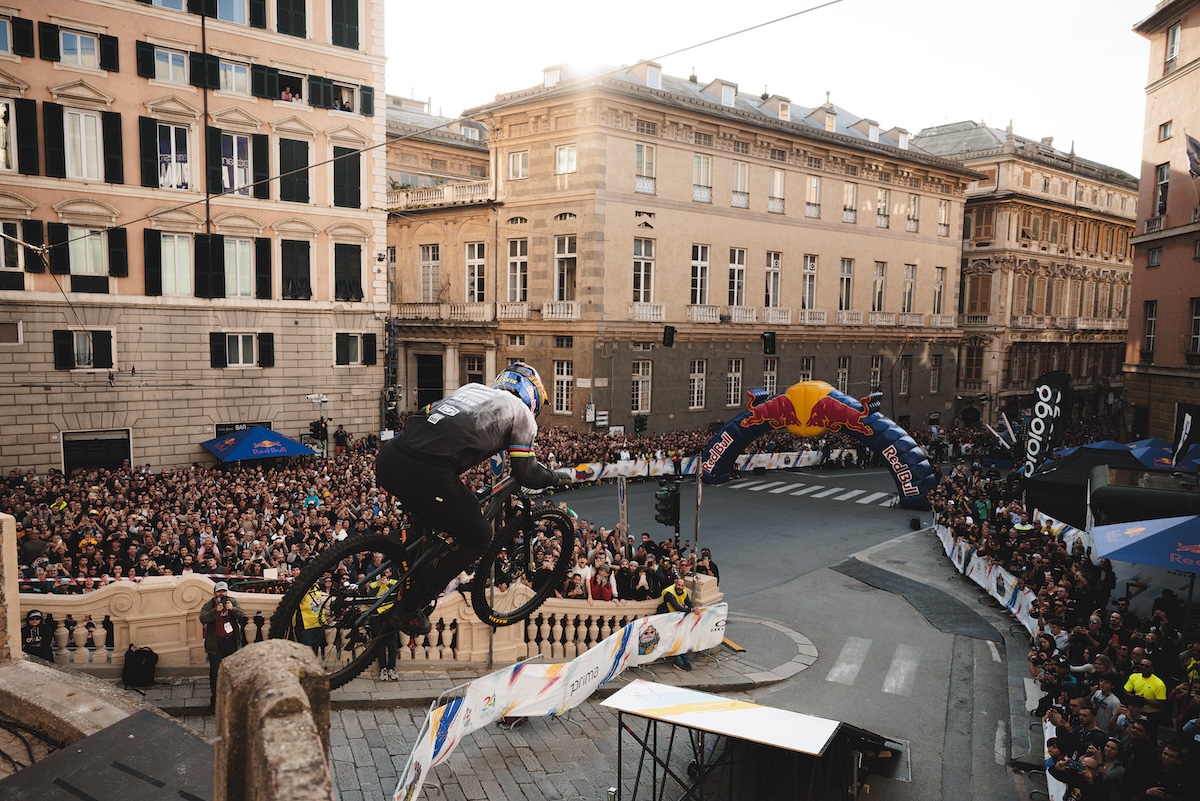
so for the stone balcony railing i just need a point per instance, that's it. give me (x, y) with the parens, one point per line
(163, 613)
(812, 317)
(704, 314)
(648, 312)
(560, 310)
(773, 315)
(460, 194)
(742, 314)
(882, 318)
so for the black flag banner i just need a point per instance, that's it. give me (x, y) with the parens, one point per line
(1051, 404)
(1187, 430)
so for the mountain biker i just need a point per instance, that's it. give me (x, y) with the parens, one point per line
(421, 466)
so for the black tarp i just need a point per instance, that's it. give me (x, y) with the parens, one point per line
(1059, 490)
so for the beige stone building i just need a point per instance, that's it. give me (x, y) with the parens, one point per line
(633, 209)
(214, 250)
(1046, 269)
(1162, 357)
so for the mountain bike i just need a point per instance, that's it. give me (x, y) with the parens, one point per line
(527, 557)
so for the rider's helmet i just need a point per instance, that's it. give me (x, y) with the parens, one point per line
(523, 381)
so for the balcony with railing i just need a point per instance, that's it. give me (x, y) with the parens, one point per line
(742, 314)
(812, 317)
(1154, 224)
(648, 312)
(911, 319)
(912, 226)
(882, 318)
(943, 320)
(1192, 359)
(645, 185)
(471, 312)
(512, 310)
(849, 215)
(943, 229)
(421, 311)
(560, 310)
(701, 194)
(1029, 321)
(740, 200)
(774, 315)
(976, 320)
(846, 317)
(461, 194)
(883, 221)
(704, 314)
(775, 205)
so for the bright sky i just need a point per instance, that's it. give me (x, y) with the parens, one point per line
(1070, 69)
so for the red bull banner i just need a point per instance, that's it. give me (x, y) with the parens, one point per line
(812, 408)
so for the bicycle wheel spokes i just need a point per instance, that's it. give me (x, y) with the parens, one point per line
(521, 569)
(339, 617)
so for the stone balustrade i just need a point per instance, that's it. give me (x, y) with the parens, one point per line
(163, 613)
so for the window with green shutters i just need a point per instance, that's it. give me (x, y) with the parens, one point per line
(291, 18)
(294, 270)
(347, 179)
(293, 170)
(344, 14)
(347, 272)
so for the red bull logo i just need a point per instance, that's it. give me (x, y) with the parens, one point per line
(835, 415)
(717, 451)
(778, 412)
(904, 476)
(1178, 558)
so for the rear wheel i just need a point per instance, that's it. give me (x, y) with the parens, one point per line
(509, 588)
(345, 631)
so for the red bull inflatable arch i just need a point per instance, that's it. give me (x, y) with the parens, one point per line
(812, 408)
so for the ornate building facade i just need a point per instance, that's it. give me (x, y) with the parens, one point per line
(1046, 271)
(1162, 357)
(189, 196)
(657, 245)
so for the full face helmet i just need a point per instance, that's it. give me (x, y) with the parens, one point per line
(523, 381)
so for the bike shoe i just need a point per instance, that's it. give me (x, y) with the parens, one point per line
(414, 624)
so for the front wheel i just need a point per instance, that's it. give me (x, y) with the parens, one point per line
(508, 589)
(334, 618)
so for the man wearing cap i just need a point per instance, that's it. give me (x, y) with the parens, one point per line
(36, 636)
(222, 618)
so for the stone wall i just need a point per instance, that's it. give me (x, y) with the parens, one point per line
(163, 613)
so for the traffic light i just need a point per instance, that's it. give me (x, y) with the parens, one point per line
(666, 504)
(639, 423)
(768, 340)
(323, 435)
(314, 429)
(668, 336)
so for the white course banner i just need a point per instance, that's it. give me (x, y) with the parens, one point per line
(533, 689)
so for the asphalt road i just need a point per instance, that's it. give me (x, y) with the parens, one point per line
(883, 664)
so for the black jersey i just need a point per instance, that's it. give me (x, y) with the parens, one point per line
(471, 424)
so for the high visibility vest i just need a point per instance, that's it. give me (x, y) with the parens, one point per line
(310, 608)
(380, 587)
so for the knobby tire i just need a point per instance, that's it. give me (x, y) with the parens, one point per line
(481, 595)
(342, 606)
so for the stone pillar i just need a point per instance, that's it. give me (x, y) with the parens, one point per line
(489, 363)
(10, 604)
(450, 374)
(272, 725)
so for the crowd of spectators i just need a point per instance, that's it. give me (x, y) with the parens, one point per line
(1121, 691)
(76, 534)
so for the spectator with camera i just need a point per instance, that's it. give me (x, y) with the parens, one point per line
(223, 618)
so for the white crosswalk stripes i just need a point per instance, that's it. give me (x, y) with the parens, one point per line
(815, 490)
(901, 674)
(849, 661)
